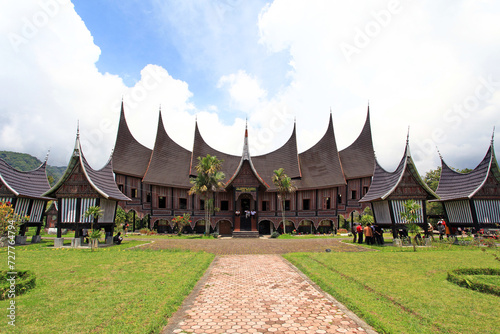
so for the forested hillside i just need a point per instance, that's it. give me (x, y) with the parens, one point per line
(26, 162)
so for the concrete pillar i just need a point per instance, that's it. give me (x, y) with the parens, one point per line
(36, 239)
(21, 239)
(58, 242)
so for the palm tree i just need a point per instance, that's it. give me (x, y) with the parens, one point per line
(208, 181)
(284, 186)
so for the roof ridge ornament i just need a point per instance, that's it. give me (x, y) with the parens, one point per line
(493, 136)
(439, 153)
(47, 155)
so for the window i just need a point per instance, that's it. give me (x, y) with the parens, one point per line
(354, 194)
(306, 204)
(287, 205)
(133, 193)
(224, 205)
(120, 187)
(327, 203)
(183, 203)
(148, 198)
(202, 204)
(265, 205)
(339, 198)
(162, 202)
(365, 190)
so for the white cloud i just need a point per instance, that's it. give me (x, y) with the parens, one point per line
(244, 90)
(415, 66)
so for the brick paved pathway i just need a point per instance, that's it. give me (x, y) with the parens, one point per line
(256, 246)
(260, 294)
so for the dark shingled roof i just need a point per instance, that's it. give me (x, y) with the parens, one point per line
(454, 185)
(358, 159)
(285, 157)
(129, 156)
(320, 165)
(245, 156)
(169, 163)
(384, 183)
(31, 184)
(102, 180)
(201, 149)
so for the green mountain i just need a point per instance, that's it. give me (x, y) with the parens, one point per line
(25, 162)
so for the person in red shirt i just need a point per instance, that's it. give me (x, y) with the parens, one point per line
(359, 229)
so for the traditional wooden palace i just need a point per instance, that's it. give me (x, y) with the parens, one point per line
(330, 182)
(154, 183)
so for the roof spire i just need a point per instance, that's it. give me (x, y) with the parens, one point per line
(47, 156)
(246, 153)
(76, 151)
(439, 153)
(493, 136)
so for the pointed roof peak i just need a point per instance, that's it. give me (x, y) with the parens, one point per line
(76, 151)
(47, 155)
(439, 153)
(493, 136)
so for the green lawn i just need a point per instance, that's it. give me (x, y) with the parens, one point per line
(406, 291)
(112, 290)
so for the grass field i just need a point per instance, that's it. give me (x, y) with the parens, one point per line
(406, 291)
(112, 290)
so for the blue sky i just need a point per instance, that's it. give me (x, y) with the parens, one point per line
(431, 66)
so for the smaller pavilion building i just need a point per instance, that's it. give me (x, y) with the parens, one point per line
(472, 199)
(389, 191)
(24, 190)
(80, 188)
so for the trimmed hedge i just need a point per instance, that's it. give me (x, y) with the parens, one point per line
(25, 280)
(455, 276)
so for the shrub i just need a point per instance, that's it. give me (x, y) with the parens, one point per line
(455, 276)
(215, 235)
(275, 234)
(25, 280)
(144, 231)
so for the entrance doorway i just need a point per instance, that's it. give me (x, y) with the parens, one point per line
(246, 217)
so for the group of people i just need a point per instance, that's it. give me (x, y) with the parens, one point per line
(373, 234)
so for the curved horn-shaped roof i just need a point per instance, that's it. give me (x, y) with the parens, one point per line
(169, 164)
(129, 156)
(384, 183)
(285, 157)
(201, 149)
(454, 185)
(320, 165)
(30, 184)
(358, 158)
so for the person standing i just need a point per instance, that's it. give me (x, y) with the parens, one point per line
(441, 229)
(368, 234)
(359, 229)
(354, 233)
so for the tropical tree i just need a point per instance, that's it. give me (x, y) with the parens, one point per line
(93, 212)
(207, 182)
(285, 186)
(410, 216)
